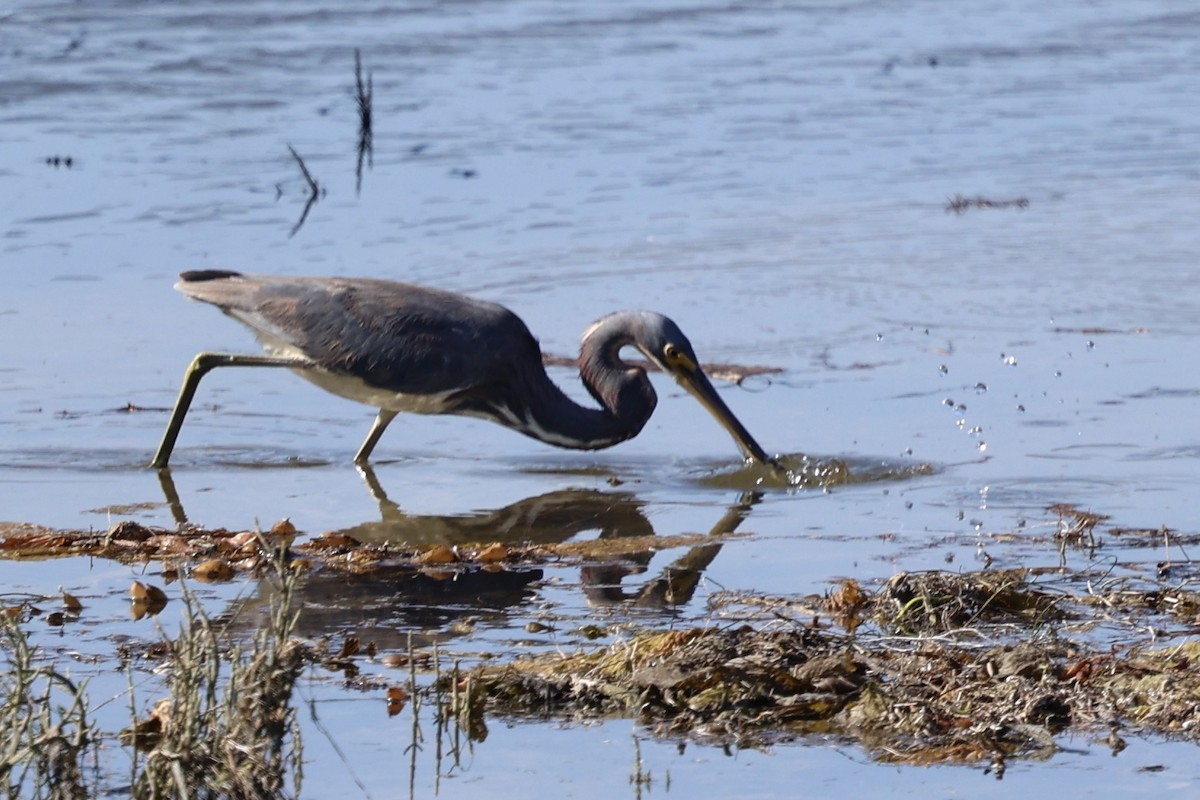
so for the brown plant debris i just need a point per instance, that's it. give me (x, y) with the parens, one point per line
(1097, 330)
(934, 602)
(921, 702)
(932, 667)
(220, 554)
(733, 373)
(961, 205)
(921, 668)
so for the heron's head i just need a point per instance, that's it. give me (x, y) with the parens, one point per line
(661, 340)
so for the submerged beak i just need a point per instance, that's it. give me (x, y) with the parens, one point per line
(699, 387)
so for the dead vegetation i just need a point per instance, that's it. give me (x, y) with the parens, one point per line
(920, 668)
(216, 554)
(44, 723)
(225, 737)
(226, 728)
(960, 204)
(364, 96)
(931, 668)
(718, 371)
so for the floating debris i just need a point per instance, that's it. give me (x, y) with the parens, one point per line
(963, 683)
(364, 94)
(921, 668)
(733, 373)
(961, 205)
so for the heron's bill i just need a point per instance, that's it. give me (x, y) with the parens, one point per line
(700, 387)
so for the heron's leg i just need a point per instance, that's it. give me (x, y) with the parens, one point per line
(200, 366)
(388, 510)
(367, 473)
(382, 419)
(167, 484)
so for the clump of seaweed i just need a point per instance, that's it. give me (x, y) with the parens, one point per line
(936, 602)
(930, 668)
(702, 681)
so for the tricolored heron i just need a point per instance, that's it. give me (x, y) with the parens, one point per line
(401, 347)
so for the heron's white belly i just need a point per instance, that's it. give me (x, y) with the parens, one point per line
(353, 388)
(356, 389)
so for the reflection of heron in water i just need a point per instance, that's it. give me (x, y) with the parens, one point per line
(548, 518)
(544, 519)
(388, 601)
(557, 517)
(676, 582)
(401, 347)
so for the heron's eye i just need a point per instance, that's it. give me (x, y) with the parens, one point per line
(677, 359)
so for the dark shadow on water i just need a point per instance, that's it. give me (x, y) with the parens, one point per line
(388, 604)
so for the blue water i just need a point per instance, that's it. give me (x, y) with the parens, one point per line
(775, 177)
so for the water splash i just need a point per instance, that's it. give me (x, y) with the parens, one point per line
(802, 471)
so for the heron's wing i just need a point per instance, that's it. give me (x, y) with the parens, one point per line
(397, 336)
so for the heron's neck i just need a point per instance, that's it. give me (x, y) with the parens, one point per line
(552, 417)
(537, 407)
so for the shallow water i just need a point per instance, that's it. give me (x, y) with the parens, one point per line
(773, 177)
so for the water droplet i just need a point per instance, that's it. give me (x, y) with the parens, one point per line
(983, 447)
(961, 408)
(980, 388)
(1058, 373)
(879, 337)
(1010, 361)
(944, 369)
(949, 401)
(1021, 408)
(1091, 345)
